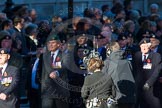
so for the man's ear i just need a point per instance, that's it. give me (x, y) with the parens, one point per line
(8, 56)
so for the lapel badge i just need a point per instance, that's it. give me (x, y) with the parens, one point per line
(5, 74)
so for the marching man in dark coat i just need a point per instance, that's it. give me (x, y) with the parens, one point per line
(9, 78)
(54, 80)
(146, 73)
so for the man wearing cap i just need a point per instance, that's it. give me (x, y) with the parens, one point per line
(156, 47)
(100, 45)
(7, 43)
(54, 80)
(146, 69)
(82, 44)
(122, 40)
(131, 47)
(9, 79)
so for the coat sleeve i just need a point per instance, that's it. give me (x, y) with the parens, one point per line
(14, 83)
(85, 89)
(106, 66)
(156, 71)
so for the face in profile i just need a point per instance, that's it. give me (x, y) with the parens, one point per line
(154, 42)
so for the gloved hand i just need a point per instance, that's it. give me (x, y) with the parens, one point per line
(146, 86)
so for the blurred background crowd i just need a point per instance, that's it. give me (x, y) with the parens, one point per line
(25, 37)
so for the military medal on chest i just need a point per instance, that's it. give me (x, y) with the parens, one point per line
(6, 81)
(147, 64)
(57, 63)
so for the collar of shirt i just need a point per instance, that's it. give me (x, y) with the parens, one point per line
(34, 40)
(4, 67)
(143, 56)
(55, 54)
(18, 29)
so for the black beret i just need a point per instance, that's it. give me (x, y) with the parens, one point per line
(4, 35)
(128, 34)
(153, 36)
(81, 35)
(4, 51)
(144, 41)
(146, 34)
(100, 37)
(122, 36)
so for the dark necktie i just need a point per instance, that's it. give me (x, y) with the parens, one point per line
(144, 57)
(52, 57)
(1, 73)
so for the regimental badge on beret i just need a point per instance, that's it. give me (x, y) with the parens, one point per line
(147, 34)
(153, 36)
(7, 37)
(2, 51)
(123, 38)
(130, 35)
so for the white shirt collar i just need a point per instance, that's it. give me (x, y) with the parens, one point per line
(18, 29)
(55, 54)
(143, 56)
(34, 40)
(4, 67)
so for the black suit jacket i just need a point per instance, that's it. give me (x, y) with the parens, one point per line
(31, 46)
(15, 59)
(54, 88)
(20, 36)
(11, 90)
(159, 50)
(149, 76)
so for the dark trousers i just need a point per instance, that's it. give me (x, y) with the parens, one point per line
(146, 99)
(125, 105)
(34, 98)
(149, 100)
(54, 103)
